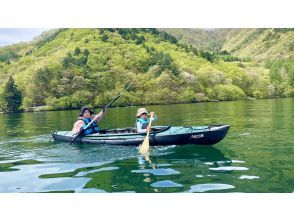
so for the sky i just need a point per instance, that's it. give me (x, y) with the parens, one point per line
(16, 35)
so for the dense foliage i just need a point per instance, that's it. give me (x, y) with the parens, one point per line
(282, 77)
(68, 68)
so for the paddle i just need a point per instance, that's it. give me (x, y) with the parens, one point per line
(101, 112)
(144, 149)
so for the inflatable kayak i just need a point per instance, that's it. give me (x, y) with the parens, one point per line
(159, 135)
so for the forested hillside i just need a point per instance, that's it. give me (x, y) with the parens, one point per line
(68, 68)
(203, 39)
(270, 49)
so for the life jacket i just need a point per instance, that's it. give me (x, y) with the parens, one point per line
(144, 122)
(93, 128)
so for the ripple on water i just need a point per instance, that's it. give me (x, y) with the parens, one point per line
(163, 165)
(97, 170)
(208, 187)
(244, 134)
(32, 139)
(238, 161)
(27, 178)
(248, 177)
(90, 190)
(158, 172)
(226, 162)
(31, 183)
(199, 176)
(166, 183)
(66, 167)
(229, 168)
(164, 148)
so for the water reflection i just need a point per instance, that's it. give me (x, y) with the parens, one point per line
(96, 171)
(195, 154)
(158, 171)
(92, 168)
(165, 183)
(169, 174)
(231, 168)
(143, 160)
(26, 179)
(209, 187)
(81, 168)
(248, 177)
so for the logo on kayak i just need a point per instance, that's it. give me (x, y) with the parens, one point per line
(196, 136)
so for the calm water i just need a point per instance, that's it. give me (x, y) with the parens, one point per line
(255, 156)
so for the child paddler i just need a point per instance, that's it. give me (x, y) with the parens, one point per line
(142, 122)
(84, 118)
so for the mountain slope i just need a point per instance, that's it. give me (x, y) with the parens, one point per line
(67, 68)
(271, 49)
(261, 44)
(203, 39)
(257, 44)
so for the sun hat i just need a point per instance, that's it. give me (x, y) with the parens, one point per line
(83, 109)
(141, 111)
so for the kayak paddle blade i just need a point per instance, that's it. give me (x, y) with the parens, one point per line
(144, 149)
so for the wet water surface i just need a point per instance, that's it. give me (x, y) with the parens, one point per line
(255, 156)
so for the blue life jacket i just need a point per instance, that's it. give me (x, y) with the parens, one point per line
(144, 122)
(93, 128)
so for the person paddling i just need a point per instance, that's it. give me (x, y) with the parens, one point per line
(142, 121)
(84, 118)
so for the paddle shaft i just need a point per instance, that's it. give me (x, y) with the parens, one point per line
(101, 112)
(151, 118)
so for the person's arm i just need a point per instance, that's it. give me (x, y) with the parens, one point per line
(139, 128)
(77, 127)
(101, 116)
(155, 119)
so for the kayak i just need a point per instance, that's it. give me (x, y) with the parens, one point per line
(159, 135)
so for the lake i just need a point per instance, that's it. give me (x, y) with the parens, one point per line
(255, 156)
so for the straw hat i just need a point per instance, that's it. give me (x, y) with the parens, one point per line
(141, 111)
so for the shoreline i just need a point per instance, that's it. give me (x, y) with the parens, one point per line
(43, 108)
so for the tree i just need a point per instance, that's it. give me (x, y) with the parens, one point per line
(67, 61)
(226, 92)
(77, 51)
(12, 97)
(42, 81)
(140, 40)
(207, 55)
(104, 37)
(86, 52)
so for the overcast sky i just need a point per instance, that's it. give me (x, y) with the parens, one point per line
(15, 35)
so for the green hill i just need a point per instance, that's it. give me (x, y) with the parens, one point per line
(261, 44)
(203, 39)
(272, 49)
(68, 68)
(258, 44)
